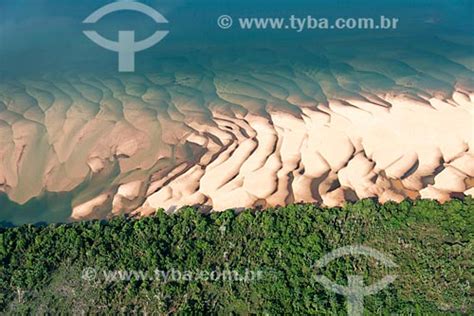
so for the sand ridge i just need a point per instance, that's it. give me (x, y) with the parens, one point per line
(225, 137)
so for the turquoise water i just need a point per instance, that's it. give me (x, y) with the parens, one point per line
(40, 36)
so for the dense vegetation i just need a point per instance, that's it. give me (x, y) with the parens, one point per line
(42, 267)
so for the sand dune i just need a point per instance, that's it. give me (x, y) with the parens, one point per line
(223, 136)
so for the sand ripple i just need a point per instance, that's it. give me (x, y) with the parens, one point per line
(226, 135)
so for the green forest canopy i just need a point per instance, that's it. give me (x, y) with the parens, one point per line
(43, 267)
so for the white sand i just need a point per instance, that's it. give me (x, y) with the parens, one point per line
(260, 141)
